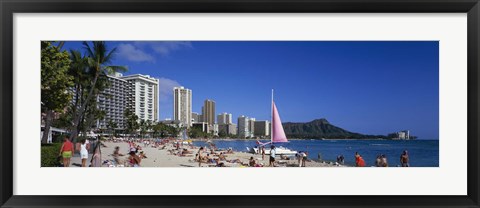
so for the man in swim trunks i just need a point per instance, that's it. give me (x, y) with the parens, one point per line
(66, 151)
(272, 156)
(404, 159)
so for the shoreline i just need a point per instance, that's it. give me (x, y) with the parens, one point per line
(297, 139)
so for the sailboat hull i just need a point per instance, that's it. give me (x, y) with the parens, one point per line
(279, 151)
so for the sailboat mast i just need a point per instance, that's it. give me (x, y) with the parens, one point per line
(271, 121)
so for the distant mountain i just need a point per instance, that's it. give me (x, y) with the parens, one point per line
(321, 128)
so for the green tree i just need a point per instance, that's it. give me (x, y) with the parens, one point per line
(98, 61)
(111, 125)
(79, 69)
(55, 82)
(158, 129)
(132, 121)
(143, 128)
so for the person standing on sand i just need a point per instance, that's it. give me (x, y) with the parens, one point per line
(200, 156)
(340, 159)
(272, 156)
(66, 151)
(384, 162)
(304, 158)
(84, 152)
(404, 159)
(263, 152)
(378, 161)
(299, 158)
(359, 162)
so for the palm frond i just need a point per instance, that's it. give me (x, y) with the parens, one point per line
(88, 49)
(110, 56)
(113, 69)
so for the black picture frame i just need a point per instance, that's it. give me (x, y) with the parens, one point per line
(10, 7)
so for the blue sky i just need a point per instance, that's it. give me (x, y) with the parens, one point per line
(369, 87)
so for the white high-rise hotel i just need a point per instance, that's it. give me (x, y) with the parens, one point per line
(182, 105)
(137, 92)
(113, 101)
(145, 96)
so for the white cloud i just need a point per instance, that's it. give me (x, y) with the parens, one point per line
(164, 48)
(132, 53)
(165, 89)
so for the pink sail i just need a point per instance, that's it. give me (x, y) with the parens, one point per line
(278, 134)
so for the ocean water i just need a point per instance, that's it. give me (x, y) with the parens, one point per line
(422, 153)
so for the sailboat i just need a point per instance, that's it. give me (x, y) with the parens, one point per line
(277, 135)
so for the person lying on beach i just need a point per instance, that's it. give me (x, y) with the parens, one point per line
(229, 151)
(222, 157)
(185, 151)
(234, 161)
(208, 159)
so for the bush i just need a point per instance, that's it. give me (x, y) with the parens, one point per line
(49, 154)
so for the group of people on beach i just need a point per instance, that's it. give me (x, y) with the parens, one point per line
(134, 159)
(380, 161)
(210, 155)
(216, 159)
(84, 147)
(68, 149)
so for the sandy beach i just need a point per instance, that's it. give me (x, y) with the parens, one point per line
(163, 157)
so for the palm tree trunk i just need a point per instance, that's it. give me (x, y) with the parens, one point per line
(48, 123)
(78, 115)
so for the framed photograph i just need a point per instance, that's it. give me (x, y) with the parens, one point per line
(240, 103)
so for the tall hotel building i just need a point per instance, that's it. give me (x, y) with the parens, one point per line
(144, 91)
(196, 117)
(113, 101)
(262, 128)
(224, 118)
(243, 127)
(182, 105)
(208, 112)
(251, 127)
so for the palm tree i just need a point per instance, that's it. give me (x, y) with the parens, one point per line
(111, 125)
(132, 121)
(98, 61)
